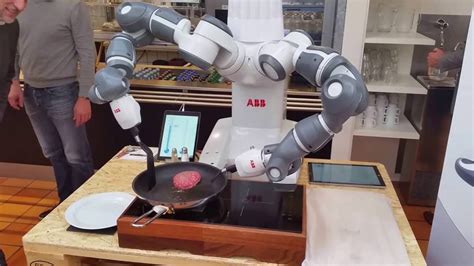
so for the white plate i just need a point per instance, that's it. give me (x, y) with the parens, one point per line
(98, 211)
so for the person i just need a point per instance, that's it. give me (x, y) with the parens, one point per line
(9, 10)
(9, 30)
(444, 61)
(57, 58)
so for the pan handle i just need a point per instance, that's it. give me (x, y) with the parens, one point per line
(158, 209)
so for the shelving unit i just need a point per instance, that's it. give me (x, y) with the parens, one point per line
(300, 97)
(404, 130)
(404, 84)
(411, 38)
(157, 45)
(382, 143)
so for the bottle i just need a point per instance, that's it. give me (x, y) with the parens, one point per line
(174, 155)
(184, 155)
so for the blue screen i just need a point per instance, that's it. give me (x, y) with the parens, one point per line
(179, 131)
(345, 174)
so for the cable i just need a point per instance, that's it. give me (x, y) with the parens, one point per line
(149, 158)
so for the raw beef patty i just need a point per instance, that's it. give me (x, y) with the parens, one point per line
(186, 180)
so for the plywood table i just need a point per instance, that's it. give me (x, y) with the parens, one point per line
(49, 242)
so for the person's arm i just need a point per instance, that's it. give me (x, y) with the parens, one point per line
(451, 60)
(84, 43)
(17, 64)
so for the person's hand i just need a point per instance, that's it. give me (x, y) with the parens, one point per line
(15, 96)
(434, 57)
(82, 111)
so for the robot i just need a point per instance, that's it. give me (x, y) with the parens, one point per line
(255, 55)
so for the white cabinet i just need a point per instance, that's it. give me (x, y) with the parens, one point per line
(413, 38)
(404, 130)
(403, 84)
(380, 144)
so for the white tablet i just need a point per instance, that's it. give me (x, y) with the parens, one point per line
(179, 129)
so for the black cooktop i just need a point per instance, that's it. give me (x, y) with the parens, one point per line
(243, 203)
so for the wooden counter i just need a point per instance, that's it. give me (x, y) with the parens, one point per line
(49, 242)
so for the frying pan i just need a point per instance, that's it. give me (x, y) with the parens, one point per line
(165, 198)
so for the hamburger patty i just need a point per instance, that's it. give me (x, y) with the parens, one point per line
(186, 180)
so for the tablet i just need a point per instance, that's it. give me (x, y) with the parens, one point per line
(179, 129)
(346, 174)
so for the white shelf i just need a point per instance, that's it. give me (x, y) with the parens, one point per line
(404, 130)
(405, 84)
(413, 38)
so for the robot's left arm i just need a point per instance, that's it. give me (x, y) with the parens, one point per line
(210, 44)
(343, 94)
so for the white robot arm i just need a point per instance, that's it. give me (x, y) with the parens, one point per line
(343, 94)
(210, 44)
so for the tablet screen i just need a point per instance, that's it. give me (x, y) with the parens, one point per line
(180, 129)
(367, 175)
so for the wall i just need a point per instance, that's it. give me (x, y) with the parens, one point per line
(446, 7)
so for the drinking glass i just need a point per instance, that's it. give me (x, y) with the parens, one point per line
(394, 54)
(366, 67)
(385, 15)
(436, 74)
(405, 17)
(388, 75)
(296, 21)
(376, 65)
(286, 20)
(316, 23)
(306, 22)
(372, 19)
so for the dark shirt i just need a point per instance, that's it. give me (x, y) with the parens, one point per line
(8, 43)
(8, 40)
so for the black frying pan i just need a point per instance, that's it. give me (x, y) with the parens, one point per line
(165, 197)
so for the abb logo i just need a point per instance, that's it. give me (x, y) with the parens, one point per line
(252, 164)
(261, 103)
(117, 110)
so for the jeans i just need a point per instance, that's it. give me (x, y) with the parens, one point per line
(51, 112)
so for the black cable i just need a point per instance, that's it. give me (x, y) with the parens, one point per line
(150, 161)
(140, 57)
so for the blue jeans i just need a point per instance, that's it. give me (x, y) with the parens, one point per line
(51, 112)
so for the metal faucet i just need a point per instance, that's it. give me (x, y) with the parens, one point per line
(442, 25)
(459, 45)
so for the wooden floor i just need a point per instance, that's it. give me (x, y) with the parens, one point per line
(22, 200)
(420, 227)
